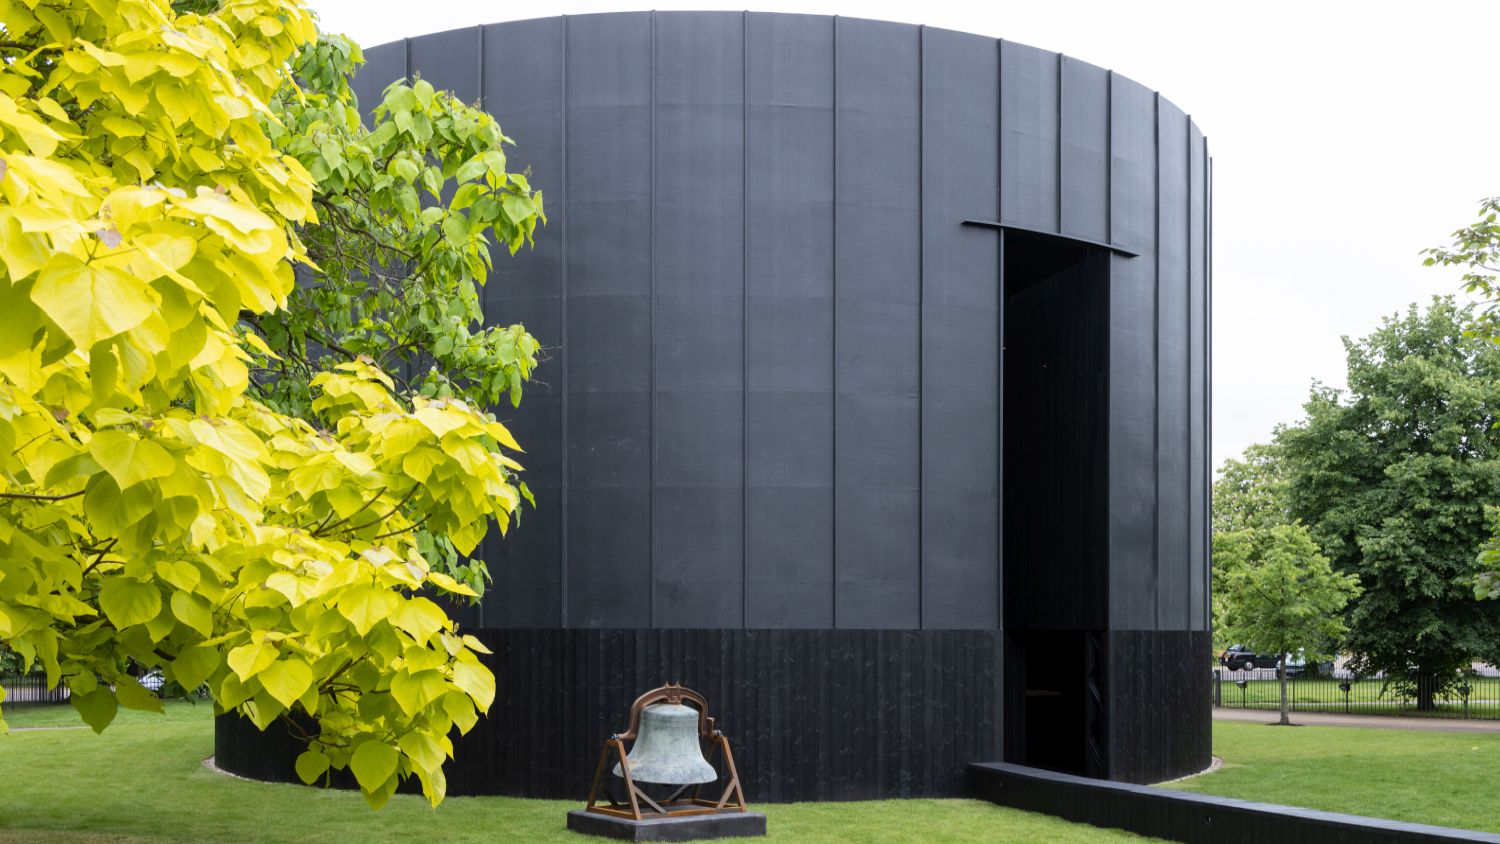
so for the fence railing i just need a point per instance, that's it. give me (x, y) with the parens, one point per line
(1347, 694)
(31, 688)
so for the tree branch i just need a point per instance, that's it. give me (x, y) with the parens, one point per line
(26, 496)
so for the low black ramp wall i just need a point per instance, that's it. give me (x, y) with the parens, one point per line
(1192, 818)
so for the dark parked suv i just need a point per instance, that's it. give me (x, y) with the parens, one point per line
(1238, 658)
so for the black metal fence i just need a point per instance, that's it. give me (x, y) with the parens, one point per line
(1472, 696)
(31, 688)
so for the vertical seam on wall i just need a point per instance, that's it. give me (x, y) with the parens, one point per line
(562, 307)
(834, 338)
(921, 315)
(479, 39)
(1109, 278)
(1059, 185)
(1208, 381)
(1000, 432)
(406, 58)
(744, 319)
(1187, 393)
(1000, 134)
(1156, 364)
(1109, 160)
(651, 333)
(1000, 340)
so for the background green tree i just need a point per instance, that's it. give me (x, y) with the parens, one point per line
(1251, 491)
(1281, 595)
(1390, 479)
(1476, 248)
(1248, 494)
(10, 662)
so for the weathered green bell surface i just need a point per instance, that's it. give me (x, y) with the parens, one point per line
(666, 748)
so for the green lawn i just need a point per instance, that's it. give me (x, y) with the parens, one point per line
(1425, 777)
(143, 780)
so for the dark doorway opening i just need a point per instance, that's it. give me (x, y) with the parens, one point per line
(1055, 382)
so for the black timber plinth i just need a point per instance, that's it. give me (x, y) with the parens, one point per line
(811, 714)
(688, 828)
(1192, 818)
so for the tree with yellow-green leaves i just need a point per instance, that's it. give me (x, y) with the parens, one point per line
(189, 479)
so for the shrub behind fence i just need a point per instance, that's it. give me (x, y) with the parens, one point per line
(1346, 694)
(31, 688)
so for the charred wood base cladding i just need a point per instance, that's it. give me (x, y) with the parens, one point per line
(813, 714)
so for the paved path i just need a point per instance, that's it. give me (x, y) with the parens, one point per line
(43, 729)
(1389, 722)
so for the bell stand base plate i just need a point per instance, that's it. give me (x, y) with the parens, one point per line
(669, 828)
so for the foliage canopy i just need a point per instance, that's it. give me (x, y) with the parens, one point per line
(1280, 595)
(1391, 480)
(1476, 248)
(1248, 494)
(188, 480)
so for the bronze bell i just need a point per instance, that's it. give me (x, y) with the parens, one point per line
(667, 750)
(669, 727)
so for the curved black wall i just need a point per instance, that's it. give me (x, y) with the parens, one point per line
(773, 283)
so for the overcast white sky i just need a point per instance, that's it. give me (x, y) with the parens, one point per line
(1346, 137)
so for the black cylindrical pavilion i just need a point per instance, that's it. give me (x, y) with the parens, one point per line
(877, 409)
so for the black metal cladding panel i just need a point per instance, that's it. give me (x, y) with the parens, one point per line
(960, 314)
(1084, 167)
(610, 272)
(383, 65)
(789, 321)
(767, 319)
(1132, 358)
(1172, 371)
(1198, 408)
(698, 484)
(1028, 136)
(528, 288)
(876, 324)
(449, 61)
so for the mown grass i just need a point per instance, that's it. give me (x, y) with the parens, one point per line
(143, 780)
(1439, 778)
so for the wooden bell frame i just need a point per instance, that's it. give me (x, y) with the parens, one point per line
(676, 805)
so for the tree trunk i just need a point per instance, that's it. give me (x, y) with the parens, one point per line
(1286, 712)
(1426, 690)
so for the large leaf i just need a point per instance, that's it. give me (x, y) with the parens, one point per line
(310, 765)
(373, 763)
(194, 611)
(246, 661)
(193, 666)
(286, 680)
(476, 680)
(415, 691)
(91, 302)
(419, 617)
(133, 695)
(129, 459)
(98, 707)
(366, 605)
(127, 601)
